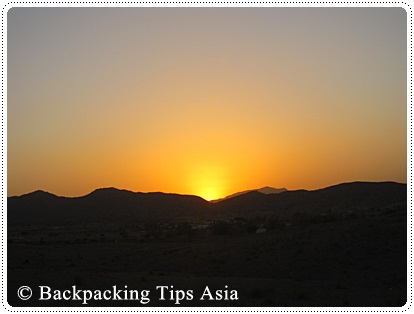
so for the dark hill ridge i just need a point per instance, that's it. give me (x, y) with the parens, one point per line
(359, 197)
(113, 205)
(263, 190)
(100, 206)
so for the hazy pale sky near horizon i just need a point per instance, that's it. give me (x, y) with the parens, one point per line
(204, 101)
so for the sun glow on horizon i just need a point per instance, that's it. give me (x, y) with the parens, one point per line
(209, 182)
(209, 195)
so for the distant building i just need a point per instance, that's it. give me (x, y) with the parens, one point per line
(261, 229)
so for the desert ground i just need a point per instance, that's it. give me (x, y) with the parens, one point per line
(330, 261)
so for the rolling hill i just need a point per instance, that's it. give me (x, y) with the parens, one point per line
(358, 197)
(263, 190)
(113, 205)
(100, 206)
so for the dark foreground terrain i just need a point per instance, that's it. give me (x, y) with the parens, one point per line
(352, 262)
(319, 259)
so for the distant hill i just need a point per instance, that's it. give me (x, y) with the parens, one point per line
(263, 190)
(101, 206)
(359, 197)
(110, 205)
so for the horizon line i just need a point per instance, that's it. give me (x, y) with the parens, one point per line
(183, 194)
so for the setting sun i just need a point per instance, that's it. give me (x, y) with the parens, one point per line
(209, 182)
(209, 194)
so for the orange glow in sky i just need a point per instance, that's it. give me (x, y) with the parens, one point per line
(208, 182)
(204, 101)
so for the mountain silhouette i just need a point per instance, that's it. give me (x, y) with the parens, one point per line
(263, 190)
(360, 197)
(101, 206)
(113, 205)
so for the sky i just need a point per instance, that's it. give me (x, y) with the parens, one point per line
(204, 101)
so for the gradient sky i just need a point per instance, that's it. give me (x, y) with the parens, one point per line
(204, 101)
